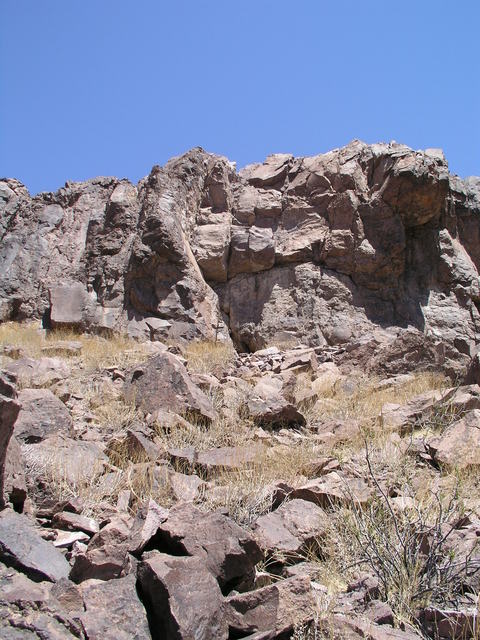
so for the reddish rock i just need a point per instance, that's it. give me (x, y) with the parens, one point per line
(334, 488)
(291, 528)
(42, 414)
(459, 445)
(22, 547)
(278, 607)
(106, 553)
(228, 551)
(74, 522)
(113, 611)
(9, 409)
(164, 381)
(183, 597)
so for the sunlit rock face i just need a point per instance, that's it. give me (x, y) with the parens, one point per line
(325, 250)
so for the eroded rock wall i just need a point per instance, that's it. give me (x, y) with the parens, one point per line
(322, 250)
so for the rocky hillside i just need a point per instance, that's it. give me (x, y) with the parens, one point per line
(242, 404)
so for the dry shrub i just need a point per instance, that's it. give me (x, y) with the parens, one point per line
(205, 356)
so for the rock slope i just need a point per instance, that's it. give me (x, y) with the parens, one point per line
(319, 480)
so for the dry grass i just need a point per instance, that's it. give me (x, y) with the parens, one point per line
(366, 399)
(98, 488)
(96, 352)
(247, 492)
(205, 356)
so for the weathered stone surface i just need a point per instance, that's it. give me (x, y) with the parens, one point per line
(69, 305)
(448, 624)
(14, 480)
(292, 527)
(228, 551)
(9, 409)
(278, 607)
(42, 415)
(32, 610)
(459, 446)
(75, 522)
(362, 237)
(183, 597)
(212, 244)
(22, 548)
(113, 610)
(40, 373)
(145, 525)
(106, 553)
(164, 381)
(270, 408)
(334, 488)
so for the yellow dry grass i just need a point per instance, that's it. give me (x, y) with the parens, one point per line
(96, 352)
(205, 356)
(367, 398)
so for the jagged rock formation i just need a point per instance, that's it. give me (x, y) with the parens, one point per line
(322, 249)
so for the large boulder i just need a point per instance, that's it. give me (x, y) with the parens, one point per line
(292, 528)
(459, 446)
(183, 598)
(42, 415)
(278, 607)
(164, 382)
(229, 552)
(113, 611)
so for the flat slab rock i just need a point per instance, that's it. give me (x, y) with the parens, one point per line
(293, 526)
(334, 488)
(22, 548)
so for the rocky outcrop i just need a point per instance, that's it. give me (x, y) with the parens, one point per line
(322, 250)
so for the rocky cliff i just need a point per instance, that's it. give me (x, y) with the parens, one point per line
(363, 241)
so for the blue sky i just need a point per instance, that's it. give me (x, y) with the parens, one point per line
(111, 87)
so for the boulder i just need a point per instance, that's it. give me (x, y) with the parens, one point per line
(106, 554)
(183, 598)
(278, 607)
(42, 415)
(229, 552)
(22, 547)
(69, 305)
(459, 445)
(295, 526)
(38, 373)
(9, 409)
(334, 487)
(164, 381)
(211, 248)
(113, 611)
(75, 522)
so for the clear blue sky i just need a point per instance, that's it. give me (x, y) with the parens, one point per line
(111, 87)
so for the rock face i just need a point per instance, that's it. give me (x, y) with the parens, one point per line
(324, 249)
